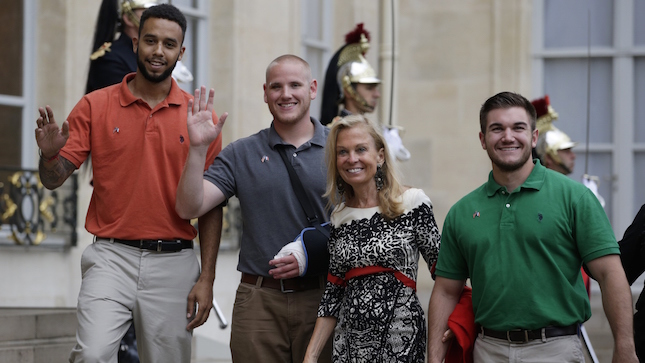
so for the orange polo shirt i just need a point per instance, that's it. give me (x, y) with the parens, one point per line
(138, 155)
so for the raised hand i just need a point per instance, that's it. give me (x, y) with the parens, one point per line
(201, 129)
(49, 137)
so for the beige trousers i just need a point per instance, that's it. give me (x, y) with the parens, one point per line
(122, 284)
(553, 350)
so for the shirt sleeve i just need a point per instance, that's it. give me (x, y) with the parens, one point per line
(222, 171)
(77, 147)
(451, 262)
(214, 148)
(593, 232)
(427, 233)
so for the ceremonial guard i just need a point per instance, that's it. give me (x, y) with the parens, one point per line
(113, 56)
(352, 87)
(554, 147)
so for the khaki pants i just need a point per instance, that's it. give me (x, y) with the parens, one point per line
(123, 284)
(271, 326)
(554, 350)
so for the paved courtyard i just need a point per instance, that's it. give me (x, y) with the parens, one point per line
(211, 342)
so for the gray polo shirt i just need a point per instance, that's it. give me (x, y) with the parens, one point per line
(252, 170)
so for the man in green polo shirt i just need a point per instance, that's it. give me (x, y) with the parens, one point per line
(521, 238)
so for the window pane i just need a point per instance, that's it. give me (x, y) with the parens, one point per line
(188, 59)
(10, 135)
(639, 180)
(639, 93)
(11, 26)
(566, 23)
(599, 165)
(315, 59)
(312, 25)
(185, 3)
(639, 22)
(10, 139)
(565, 81)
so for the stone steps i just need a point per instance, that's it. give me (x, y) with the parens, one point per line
(32, 335)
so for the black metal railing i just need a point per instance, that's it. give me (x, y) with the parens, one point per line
(31, 215)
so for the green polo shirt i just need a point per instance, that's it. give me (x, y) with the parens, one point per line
(523, 250)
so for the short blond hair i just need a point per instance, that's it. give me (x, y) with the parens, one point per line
(292, 58)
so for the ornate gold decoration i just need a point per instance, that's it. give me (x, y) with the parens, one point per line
(11, 208)
(106, 47)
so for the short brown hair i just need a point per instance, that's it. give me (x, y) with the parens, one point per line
(506, 100)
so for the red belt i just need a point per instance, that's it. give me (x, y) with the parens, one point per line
(370, 270)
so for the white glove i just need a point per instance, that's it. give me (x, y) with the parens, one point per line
(395, 144)
(181, 73)
(591, 182)
(294, 248)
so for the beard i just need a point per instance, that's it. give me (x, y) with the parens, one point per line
(509, 166)
(154, 78)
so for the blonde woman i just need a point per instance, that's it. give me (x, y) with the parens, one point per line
(379, 228)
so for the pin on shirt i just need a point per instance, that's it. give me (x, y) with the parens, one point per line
(476, 214)
(264, 158)
(116, 130)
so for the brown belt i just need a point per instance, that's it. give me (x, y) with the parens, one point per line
(286, 285)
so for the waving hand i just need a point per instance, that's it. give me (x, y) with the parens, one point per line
(49, 137)
(201, 129)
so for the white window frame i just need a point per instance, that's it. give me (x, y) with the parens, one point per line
(324, 45)
(622, 146)
(201, 13)
(25, 101)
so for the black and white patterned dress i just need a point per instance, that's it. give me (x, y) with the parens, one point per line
(379, 318)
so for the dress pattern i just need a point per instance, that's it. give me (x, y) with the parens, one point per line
(379, 319)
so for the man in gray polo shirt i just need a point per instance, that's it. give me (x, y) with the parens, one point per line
(275, 310)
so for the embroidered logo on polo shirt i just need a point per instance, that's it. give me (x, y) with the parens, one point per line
(181, 139)
(540, 217)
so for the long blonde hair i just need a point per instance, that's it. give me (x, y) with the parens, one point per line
(389, 196)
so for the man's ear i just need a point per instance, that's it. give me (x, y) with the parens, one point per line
(313, 89)
(181, 53)
(127, 21)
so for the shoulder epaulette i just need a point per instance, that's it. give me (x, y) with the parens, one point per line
(101, 51)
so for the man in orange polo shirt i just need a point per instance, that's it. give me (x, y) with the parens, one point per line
(142, 267)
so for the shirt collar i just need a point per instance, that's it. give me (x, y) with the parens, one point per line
(534, 181)
(320, 136)
(174, 97)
